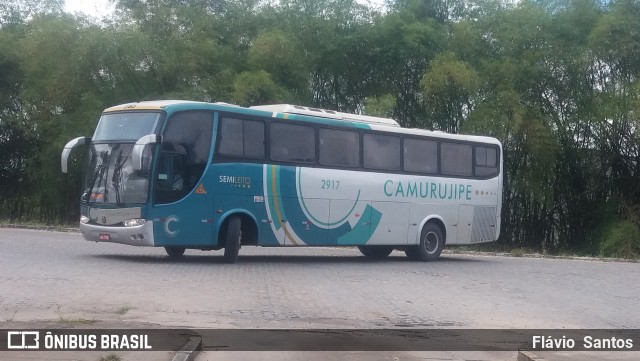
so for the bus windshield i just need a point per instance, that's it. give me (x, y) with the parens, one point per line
(126, 126)
(110, 177)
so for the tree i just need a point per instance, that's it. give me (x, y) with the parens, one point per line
(449, 88)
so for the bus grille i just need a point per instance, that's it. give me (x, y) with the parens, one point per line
(484, 227)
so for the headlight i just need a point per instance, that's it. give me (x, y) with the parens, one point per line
(134, 222)
(84, 219)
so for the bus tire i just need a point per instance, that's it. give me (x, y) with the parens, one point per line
(376, 252)
(174, 252)
(430, 246)
(233, 240)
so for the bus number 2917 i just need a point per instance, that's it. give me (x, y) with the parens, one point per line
(330, 184)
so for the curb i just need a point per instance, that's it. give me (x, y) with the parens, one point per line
(454, 252)
(40, 228)
(190, 350)
(528, 356)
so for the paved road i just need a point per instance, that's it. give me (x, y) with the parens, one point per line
(58, 276)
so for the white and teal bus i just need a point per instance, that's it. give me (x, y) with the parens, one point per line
(190, 175)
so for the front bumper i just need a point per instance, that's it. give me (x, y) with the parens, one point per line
(134, 236)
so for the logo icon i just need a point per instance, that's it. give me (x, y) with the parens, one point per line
(200, 189)
(23, 340)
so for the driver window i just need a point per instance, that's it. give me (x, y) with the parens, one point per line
(184, 153)
(171, 167)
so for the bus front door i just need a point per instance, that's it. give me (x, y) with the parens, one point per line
(182, 197)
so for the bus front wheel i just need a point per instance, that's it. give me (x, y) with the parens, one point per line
(376, 252)
(430, 246)
(174, 252)
(233, 240)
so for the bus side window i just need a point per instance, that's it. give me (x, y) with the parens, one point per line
(241, 138)
(292, 143)
(381, 152)
(420, 156)
(253, 139)
(339, 147)
(231, 137)
(171, 167)
(455, 159)
(486, 162)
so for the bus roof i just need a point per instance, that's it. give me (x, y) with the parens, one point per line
(159, 104)
(305, 114)
(324, 113)
(439, 134)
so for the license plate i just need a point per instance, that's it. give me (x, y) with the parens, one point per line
(104, 236)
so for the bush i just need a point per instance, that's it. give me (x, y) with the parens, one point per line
(622, 240)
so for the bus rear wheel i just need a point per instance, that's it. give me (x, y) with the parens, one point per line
(233, 240)
(376, 252)
(430, 246)
(174, 252)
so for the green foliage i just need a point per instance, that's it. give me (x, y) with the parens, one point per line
(275, 53)
(380, 106)
(253, 88)
(448, 88)
(621, 241)
(15, 12)
(616, 37)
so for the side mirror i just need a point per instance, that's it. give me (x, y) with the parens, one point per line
(64, 159)
(138, 149)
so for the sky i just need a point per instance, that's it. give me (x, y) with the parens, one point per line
(101, 8)
(94, 8)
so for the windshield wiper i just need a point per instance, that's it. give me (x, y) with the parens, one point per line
(97, 177)
(116, 179)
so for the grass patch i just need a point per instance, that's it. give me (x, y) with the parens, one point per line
(110, 357)
(77, 321)
(622, 240)
(123, 310)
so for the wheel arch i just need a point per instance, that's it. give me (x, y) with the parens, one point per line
(435, 219)
(249, 227)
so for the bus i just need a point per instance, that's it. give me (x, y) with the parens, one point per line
(210, 176)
